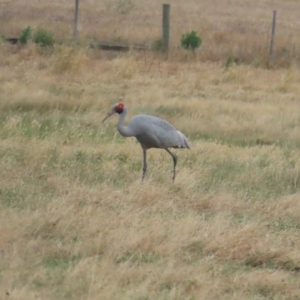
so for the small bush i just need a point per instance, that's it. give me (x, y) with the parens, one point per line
(43, 37)
(26, 35)
(191, 41)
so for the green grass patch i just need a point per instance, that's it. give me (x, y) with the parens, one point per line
(59, 261)
(138, 257)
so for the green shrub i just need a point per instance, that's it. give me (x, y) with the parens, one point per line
(26, 35)
(191, 41)
(43, 37)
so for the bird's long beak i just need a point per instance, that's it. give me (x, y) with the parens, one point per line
(108, 115)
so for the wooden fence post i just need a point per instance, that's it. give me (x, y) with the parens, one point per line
(76, 19)
(273, 34)
(166, 27)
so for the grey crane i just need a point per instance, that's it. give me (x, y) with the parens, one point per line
(151, 132)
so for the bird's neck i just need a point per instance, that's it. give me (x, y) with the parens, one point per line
(124, 130)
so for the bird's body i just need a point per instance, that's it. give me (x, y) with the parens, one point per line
(151, 132)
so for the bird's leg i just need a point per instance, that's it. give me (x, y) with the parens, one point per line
(174, 161)
(144, 163)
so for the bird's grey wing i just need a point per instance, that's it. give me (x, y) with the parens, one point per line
(144, 132)
(153, 132)
(167, 135)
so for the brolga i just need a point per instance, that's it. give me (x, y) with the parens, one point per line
(151, 132)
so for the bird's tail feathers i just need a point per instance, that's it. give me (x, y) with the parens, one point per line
(183, 141)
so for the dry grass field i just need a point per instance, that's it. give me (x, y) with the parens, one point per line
(75, 220)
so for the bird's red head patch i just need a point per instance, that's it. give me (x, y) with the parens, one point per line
(119, 108)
